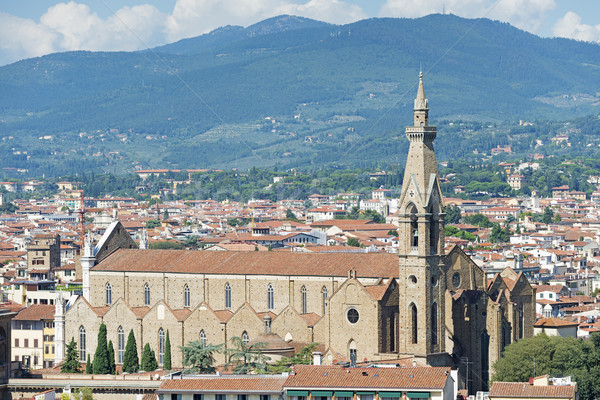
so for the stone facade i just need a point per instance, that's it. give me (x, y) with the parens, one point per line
(424, 302)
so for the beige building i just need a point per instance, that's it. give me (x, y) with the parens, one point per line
(423, 303)
(28, 335)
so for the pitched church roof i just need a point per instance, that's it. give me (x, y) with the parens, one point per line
(251, 263)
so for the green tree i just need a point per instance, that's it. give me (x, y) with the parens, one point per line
(111, 358)
(167, 359)
(478, 219)
(71, 364)
(374, 215)
(89, 367)
(200, 358)
(548, 215)
(85, 393)
(557, 217)
(101, 362)
(245, 357)
(453, 214)
(354, 242)
(152, 223)
(130, 359)
(393, 232)
(499, 234)
(166, 214)
(148, 359)
(290, 216)
(557, 356)
(165, 245)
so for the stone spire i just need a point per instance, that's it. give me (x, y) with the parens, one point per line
(421, 105)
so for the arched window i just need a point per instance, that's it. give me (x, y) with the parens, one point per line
(202, 338)
(245, 338)
(82, 353)
(353, 353)
(270, 297)
(186, 296)
(414, 330)
(324, 292)
(303, 299)
(227, 295)
(146, 295)
(161, 346)
(434, 324)
(414, 227)
(120, 345)
(108, 294)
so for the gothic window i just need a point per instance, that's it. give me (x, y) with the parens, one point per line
(121, 345)
(161, 346)
(146, 295)
(202, 338)
(414, 321)
(227, 295)
(304, 300)
(434, 327)
(352, 348)
(82, 353)
(324, 292)
(186, 296)
(270, 297)
(108, 294)
(414, 227)
(245, 338)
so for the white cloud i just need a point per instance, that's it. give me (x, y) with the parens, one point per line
(23, 38)
(525, 14)
(74, 26)
(570, 26)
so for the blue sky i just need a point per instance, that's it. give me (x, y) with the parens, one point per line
(30, 28)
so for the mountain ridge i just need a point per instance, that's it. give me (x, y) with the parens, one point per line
(322, 87)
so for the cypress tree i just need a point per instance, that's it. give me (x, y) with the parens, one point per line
(101, 363)
(131, 361)
(167, 361)
(71, 364)
(148, 359)
(111, 358)
(89, 367)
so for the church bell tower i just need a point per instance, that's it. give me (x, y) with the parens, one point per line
(421, 237)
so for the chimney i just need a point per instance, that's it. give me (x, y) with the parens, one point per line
(317, 357)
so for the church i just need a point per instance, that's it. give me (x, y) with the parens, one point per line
(425, 304)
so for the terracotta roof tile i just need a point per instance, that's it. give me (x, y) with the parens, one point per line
(554, 322)
(232, 383)
(223, 315)
(310, 318)
(525, 390)
(321, 376)
(251, 263)
(36, 312)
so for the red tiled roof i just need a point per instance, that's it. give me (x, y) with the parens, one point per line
(321, 376)
(36, 312)
(232, 383)
(251, 263)
(554, 323)
(527, 391)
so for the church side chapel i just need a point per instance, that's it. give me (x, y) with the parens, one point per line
(426, 304)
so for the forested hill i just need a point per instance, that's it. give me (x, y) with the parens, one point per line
(203, 101)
